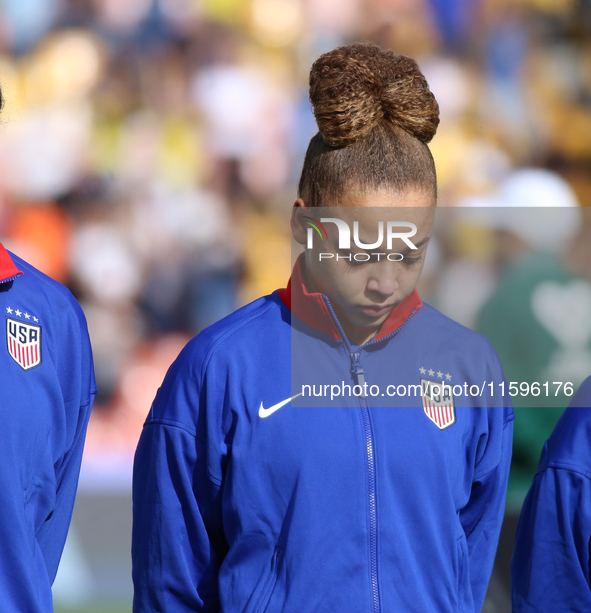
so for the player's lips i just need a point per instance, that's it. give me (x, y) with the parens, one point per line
(376, 311)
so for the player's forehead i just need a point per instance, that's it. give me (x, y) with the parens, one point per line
(367, 221)
(411, 197)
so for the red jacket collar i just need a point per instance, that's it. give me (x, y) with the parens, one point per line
(8, 269)
(310, 307)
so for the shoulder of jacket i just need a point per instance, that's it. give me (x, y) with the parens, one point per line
(569, 445)
(451, 329)
(238, 329)
(59, 299)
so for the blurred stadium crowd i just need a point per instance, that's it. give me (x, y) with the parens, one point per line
(149, 152)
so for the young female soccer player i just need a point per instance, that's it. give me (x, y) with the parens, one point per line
(251, 492)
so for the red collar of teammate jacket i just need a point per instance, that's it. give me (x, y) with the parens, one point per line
(310, 307)
(8, 269)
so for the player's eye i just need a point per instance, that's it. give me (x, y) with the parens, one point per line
(354, 260)
(410, 261)
(360, 261)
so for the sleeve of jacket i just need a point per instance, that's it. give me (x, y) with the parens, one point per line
(74, 366)
(177, 539)
(550, 566)
(482, 517)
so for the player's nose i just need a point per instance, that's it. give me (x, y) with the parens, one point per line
(384, 281)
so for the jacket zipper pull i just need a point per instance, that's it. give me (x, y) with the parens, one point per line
(358, 373)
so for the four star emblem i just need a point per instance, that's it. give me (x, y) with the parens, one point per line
(431, 372)
(19, 313)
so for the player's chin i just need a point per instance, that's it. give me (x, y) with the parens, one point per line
(366, 318)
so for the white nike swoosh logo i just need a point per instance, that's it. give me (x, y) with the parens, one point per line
(266, 412)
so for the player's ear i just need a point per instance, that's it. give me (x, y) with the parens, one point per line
(298, 225)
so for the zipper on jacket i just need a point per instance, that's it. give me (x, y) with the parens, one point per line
(9, 279)
(357, 371)
(359, 377)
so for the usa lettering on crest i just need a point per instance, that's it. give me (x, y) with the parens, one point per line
(438, 403)
(24, 343)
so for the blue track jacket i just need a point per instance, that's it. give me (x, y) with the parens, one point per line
(550, 565)
(245, 502)
(46, 392)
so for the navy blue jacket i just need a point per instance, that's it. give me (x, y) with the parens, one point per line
(246, 502)
(550, 565)
(46, 392)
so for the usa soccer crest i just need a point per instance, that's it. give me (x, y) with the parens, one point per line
(24, 343)
(438, 403)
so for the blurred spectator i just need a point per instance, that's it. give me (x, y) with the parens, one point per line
(539, 317)
(27, 21)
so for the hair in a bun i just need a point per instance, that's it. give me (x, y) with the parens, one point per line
(353, 88)
(375, 115)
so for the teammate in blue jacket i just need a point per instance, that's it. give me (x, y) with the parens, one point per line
(46, 393)
(261, 483)
(550, 566)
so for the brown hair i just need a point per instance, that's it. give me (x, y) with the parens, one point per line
(375, 115)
